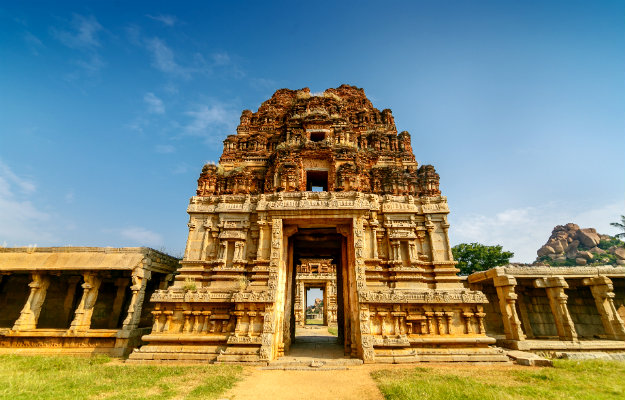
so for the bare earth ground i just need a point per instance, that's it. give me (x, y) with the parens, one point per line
(312, 342)
(355, 383)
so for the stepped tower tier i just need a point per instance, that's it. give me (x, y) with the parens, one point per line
(336, 141)
(318, 177)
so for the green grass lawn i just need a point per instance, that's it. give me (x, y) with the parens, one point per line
(39, 377)
(567, 380)
(333, 330)
(314, 322)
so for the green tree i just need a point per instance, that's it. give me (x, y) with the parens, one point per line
(475, 257)
(621, 226)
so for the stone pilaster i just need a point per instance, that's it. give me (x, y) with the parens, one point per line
(84, 311)
(507, 304)
(30, 313)
(603, 292)
(554, 287)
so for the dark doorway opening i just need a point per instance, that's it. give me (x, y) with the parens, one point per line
(317, 136)
(317, 181)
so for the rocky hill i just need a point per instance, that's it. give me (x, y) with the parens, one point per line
(569, 245)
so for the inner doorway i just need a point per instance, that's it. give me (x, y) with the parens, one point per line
(316, 309)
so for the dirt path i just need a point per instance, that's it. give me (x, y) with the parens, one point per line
(354, 383)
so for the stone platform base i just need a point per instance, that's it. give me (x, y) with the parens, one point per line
(564, 345)
(416, 355)
(64, 342)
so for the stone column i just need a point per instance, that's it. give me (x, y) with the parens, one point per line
(430, 229)
(204, 246)
(30, 313)
(121, 284)
(374, 240)
(140, 278)
(554, 286)
(262, 238)
(84, 311)
(507, 300)
(446, 230)
(603, 292)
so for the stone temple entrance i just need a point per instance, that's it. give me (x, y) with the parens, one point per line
(318, 176)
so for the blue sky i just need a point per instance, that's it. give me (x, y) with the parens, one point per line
(109, 110)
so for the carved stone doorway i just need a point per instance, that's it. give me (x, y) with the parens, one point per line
(321, 254)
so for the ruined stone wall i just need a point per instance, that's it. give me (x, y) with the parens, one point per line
(581, 305)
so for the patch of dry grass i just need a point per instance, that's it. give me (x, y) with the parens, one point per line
(23, 377)
(567, 380)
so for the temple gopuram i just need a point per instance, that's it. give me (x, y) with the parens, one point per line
(318, 176)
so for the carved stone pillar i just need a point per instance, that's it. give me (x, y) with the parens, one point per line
(140, 278)
(554, 286)
(223, 251)
(30, 313)
(430, 229)
(603, 292)
(262, 235)
(446, 230)
(507, 299)
(214, 244)
(374, 242)
(205, 235)
(84, 311)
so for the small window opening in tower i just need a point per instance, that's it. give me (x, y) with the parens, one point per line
(317, 181)
(317, 136)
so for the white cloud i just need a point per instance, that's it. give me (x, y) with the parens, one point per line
(205, 116)
(91, 64)
(21, 221)
(164, 148)
(163, 58)
(83, 33)
(525, 230)
(155, 104)
(167, 20)
(33, 42)
(142, 236)
(221, 59)
(82, 36)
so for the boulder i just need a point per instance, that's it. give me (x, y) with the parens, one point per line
(557, 247)
(596, 250)
(545, 250)
(588, 237)
(619, 253)
(620, 262)
(571, 227)
(581, 261)
(585, 254)
(573, 246)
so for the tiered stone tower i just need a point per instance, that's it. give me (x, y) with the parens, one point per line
(318, 176)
